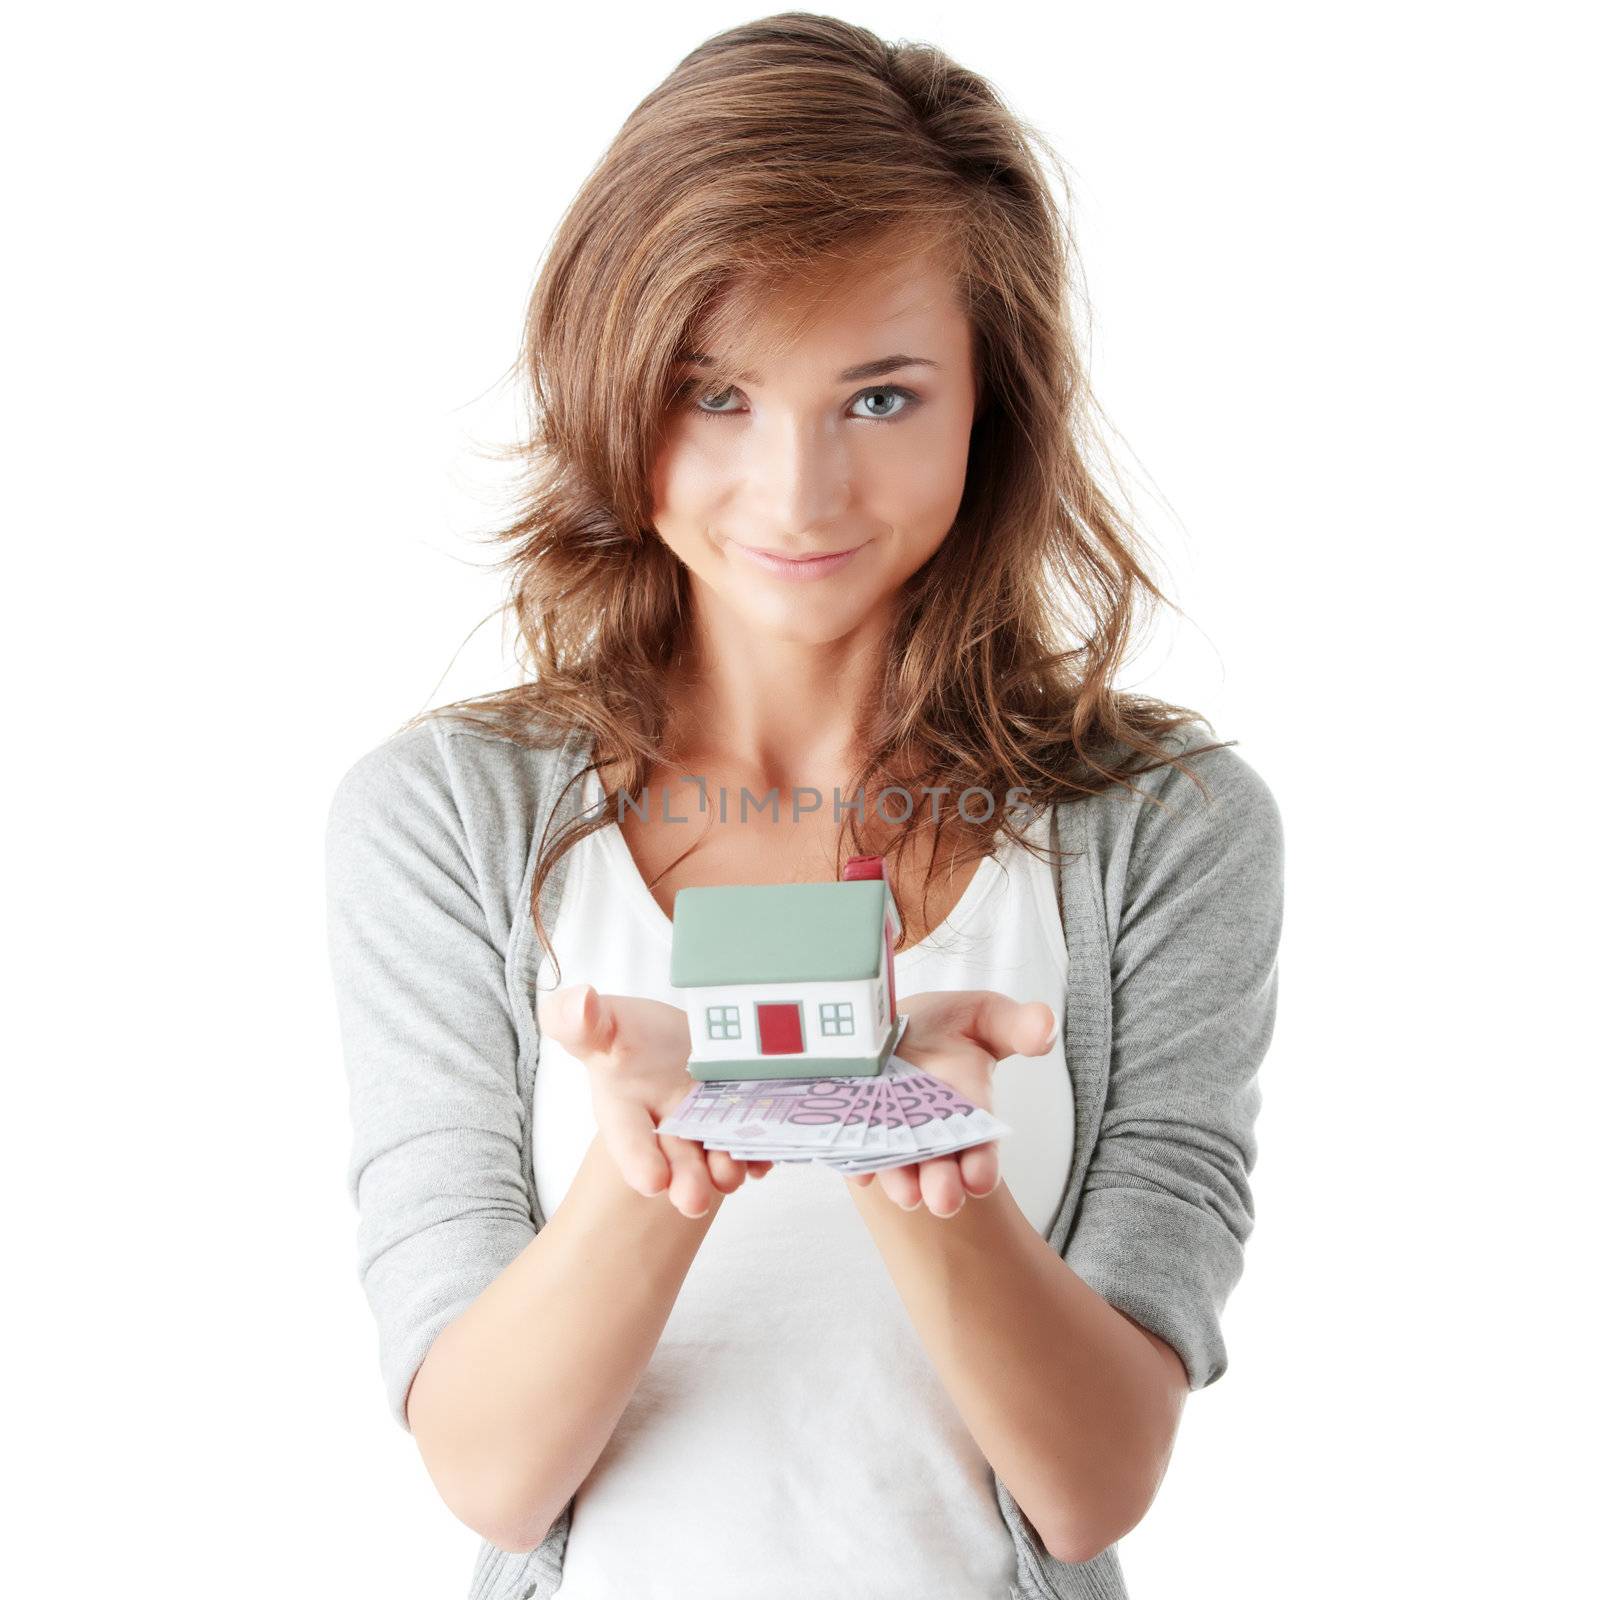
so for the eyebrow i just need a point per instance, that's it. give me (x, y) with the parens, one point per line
(868, 369)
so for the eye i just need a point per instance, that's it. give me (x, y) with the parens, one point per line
(712, 394)
(892, 392)
(703, 401)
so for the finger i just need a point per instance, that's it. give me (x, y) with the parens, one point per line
(630, 1136)
(900, 1184)
(1007, 1027)
(690, 1188)
(579, 1018)
(726, 1173)
(942, 1190)
(758, 1169)
(980, 1169)
(551, 1009)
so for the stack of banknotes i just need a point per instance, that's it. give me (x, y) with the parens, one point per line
(896, 1117)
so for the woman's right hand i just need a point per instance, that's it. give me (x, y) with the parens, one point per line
(637, 1052)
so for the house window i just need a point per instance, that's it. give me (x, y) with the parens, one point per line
(722, 1022)
(879, 991)
(838, 1017)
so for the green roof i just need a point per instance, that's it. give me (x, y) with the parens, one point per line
(778, 933)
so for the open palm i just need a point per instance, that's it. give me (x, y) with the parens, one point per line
(957, 1036)
(637, 1053)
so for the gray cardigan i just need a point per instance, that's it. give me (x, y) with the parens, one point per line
(1172, 917)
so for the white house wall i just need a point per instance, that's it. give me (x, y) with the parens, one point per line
(860, 994)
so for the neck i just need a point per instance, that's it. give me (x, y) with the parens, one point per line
(778, 711)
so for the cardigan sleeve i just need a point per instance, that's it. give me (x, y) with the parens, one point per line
(430, 1052)
(1167, 1205)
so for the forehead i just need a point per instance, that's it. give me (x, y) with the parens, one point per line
(829, 317)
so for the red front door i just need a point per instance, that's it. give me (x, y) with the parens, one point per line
(779, 1027)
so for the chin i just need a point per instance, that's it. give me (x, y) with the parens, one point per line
(818, 620)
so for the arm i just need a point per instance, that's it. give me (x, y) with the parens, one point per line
(1072, 1403)
(519, 1395)
(1106, 1343)
(532, 1345)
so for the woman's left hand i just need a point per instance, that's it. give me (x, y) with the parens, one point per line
(957, 1036)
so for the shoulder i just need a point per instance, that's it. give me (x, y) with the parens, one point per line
(1215, 831)
(1221, 793)
(448, 759)
(449, 792)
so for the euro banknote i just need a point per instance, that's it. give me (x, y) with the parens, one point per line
(896, 1117)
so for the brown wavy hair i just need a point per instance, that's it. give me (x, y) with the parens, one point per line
(784, 152)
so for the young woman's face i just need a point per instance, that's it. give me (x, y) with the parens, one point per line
(815, 457)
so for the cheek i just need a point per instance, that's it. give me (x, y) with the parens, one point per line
(919, 488)
(684, 483)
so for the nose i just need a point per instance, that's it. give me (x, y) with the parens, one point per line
(799, 480)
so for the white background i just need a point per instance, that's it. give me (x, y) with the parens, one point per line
(264, 284)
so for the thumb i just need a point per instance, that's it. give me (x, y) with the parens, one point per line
(1044, 1017)
(570, 1014)
(1010, 1027)
(1007, 1027)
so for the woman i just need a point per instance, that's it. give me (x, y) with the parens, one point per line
(809, 510)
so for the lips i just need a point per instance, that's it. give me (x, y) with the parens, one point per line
(783, 555)
(803, 567)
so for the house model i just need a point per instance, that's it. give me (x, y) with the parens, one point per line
(789, 980)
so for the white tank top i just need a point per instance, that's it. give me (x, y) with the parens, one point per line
(790, 1436)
